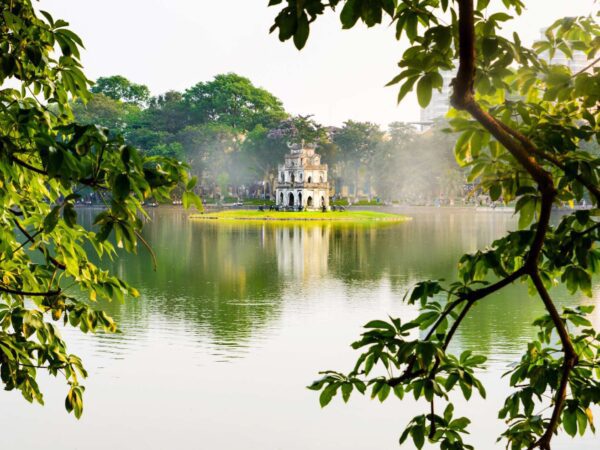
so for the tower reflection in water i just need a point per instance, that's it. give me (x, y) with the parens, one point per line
(302, 251)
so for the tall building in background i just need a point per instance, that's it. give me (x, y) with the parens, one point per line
(577, 63)
(440, 101)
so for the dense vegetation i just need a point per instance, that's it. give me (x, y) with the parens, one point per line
(525, 126)
(234, 134)
(47, 160)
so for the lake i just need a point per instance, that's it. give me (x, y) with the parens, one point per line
(240, 317)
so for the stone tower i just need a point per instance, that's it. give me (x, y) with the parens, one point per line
(302, 179)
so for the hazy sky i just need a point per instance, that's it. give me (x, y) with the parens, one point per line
(340, 75)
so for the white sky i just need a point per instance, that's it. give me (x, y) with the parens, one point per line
(340, 75)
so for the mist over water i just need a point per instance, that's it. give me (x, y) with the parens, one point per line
(240, 317)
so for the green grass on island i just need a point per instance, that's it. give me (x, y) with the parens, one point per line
(351, 216)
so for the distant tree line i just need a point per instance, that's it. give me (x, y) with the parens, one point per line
(233, 134)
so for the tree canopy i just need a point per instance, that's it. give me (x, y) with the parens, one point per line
(47, 162)
(118, 87)
(233, 100)
(525, 125)
(360, 155)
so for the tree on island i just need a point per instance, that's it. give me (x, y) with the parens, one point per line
(524, 125)
(47, 161)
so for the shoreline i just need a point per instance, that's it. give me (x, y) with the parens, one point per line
(304, 216)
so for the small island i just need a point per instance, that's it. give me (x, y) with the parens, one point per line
(302, 194)
(345, 216)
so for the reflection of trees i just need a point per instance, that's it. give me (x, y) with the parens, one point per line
(223, 279)
(426, 247)
(227, 279)
(302, 250)
(501, 324)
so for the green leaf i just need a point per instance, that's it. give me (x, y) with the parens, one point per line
(302, 31)
(411, 26)
(569, 421)
(526, 212)
(380, 324)
(327, 395)
(70, 215)
(424, 90)
(499, 17)
(346, 391)
(350, 14)
(384, 392)
(121, 186)
(51, 219)
(418, 438)
(582, 421)
(495, 192)
(406, 87)
(460, 424)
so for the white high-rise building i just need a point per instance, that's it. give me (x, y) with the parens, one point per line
(577, 63)
(440, 101)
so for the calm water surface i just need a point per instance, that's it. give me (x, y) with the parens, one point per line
(240, 317)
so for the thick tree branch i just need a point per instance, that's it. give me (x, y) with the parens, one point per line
(463, 83)
(520, 153)
(470, 298)
(570, 361)
(524, 153)
(531, 147)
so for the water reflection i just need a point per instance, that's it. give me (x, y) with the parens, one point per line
(229, 282)
(239, 317)
(302, 250)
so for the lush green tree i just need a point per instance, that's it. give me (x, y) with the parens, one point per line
(46, 160)
(264, 148)
(120, 88)
(106, 112)
(211, 150)
(170, 150)
(145, 138)
(529, 149)
(166, 113)
(260, 154)
(298, 129)
(415, 168)
(358, 142)
(233, 100)
(393, 166)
